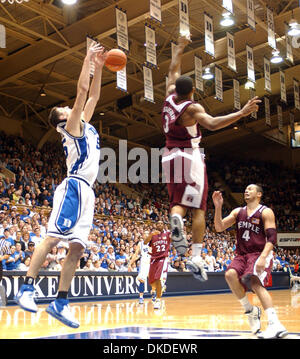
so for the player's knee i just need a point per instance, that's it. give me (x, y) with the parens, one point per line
(231, 276)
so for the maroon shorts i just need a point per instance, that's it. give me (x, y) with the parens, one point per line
(182, 189)
(158, 269)
(244, 265)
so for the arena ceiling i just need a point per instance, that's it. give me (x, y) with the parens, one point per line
(46, 44)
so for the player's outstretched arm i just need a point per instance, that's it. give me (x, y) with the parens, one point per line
(197, 112)
(175, 65)
(222, 223)
(73, 125)
(95, 88)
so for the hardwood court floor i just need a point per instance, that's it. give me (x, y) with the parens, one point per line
(185, 317)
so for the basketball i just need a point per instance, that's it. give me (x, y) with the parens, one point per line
(116, 60)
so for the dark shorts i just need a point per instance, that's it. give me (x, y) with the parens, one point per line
(186, 181)
(158, 269)
(244, 265)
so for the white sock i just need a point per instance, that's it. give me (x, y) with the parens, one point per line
(272, 316)
(196, 249)
(246, 304)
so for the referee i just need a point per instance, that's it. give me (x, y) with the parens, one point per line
(4, 254)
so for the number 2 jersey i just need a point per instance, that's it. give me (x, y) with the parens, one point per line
(250, 231)
(160, 245)
(82, 153)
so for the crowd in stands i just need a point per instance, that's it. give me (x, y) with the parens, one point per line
(121, 220)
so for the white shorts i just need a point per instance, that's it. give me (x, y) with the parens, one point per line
(144, 270)
(72, 215)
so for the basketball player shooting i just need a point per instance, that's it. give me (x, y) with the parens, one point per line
(251, 268)
(183, 163)
(73, 204)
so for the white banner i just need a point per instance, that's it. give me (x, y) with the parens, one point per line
(122, 29)
(271, 29)
(218, 83)
(292, 125)
(296, 94)
(268, 111)
(288, 45)
(198, 74)
(282, 86)
(155, 10)
(90, 42)
(184, 23)
(227, 4)
(251, 14)
(253, 94)
(288, 239)
(250, 64)
(267, 70)
(150, 46)
(2, 37)
(236, 95)
(122, 80)
(209, 35)
(231, 52)
(280, 118)
(148, 84)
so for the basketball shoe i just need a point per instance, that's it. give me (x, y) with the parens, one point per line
(141, 300)
(273, 331)
(60, 310)
(153, 297)
(157, 304)
(25, 298)
(254, 319)
(196, 266)
(177, 235)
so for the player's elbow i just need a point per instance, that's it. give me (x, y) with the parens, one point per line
(219, 228)
(82, 89)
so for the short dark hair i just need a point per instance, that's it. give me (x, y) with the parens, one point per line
(54, 117)
(184, 85)
(259, 188)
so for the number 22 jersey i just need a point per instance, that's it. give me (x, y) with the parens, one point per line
(160, 245)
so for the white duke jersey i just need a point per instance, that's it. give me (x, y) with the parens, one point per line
(82, 153)
(145, 255)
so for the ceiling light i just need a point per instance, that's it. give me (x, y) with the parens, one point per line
(294, 28)
(43, 94)
(227, 20)
(235, 128)
(207, 74)
(101, 113)
(69, 2)
(276, 58)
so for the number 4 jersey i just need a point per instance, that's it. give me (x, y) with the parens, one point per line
(250, 231)
(160, 245)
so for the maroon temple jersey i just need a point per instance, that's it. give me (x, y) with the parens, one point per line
(250, 231)
(178, 136)
(160, 244)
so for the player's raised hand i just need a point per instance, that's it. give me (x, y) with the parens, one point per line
(100, 57)
(93, 50)
(251, 106)
(217, 199)
(183, 40)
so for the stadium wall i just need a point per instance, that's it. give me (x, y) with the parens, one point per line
(98, 286)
